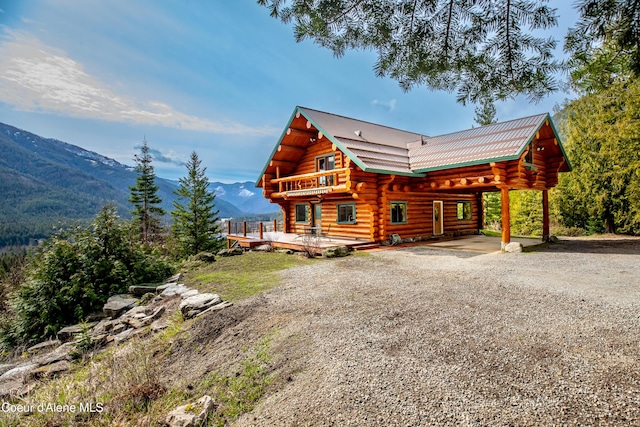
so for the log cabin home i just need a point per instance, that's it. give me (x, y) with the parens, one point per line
(338, 176)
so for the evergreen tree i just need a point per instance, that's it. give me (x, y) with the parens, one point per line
(602, 139)
(479, 49)
(74, 272)
(195, 220)
(605, 43)
(144, 196)
(485, 113)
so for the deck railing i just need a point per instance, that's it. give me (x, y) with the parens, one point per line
(309, 181)
(253, 228)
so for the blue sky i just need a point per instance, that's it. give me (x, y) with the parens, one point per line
(219, 77)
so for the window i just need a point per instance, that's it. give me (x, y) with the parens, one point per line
(302, 213)
(326, 163)
(528, 159)
(347, 213)
(464, 210)
(398, 212)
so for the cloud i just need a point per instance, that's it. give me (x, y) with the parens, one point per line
(169, 157)
(389, 105)
(39, 78)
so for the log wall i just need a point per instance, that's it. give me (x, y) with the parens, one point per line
(307, 163)
(362, 229)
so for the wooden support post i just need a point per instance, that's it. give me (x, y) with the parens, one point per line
(261, 228)
(244, 228)
(545, 215)
(275, 225)
(506, 219)
(228, 227)
(480, 203)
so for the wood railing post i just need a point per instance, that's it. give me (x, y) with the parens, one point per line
(275, 225)
(244, 228)
(545, 216)
(506, 217)
(228, 227)
(261, 230)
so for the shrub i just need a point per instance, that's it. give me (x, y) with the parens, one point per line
(74, 273)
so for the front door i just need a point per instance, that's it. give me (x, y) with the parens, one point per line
(316, 221)
(438, 220)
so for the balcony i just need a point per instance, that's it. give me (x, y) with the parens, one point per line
(311, 184)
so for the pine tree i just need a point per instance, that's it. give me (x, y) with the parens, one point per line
(478, 49)
(485, 113)
(195, 220)
(144, 196)
(602, 139)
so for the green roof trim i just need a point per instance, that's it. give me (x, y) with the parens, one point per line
(389, 172)
(504, 158)
(470, 163)
(555, 131)
(416, 173)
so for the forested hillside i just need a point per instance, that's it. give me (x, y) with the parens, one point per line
(44, 182)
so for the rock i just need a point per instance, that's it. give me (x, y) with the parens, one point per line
(139, 323)
(161, 288)
(157, 313)
(191, 415)
(15, 381)
(193, 305)
(123, 336)
(190, 293)
(553, 239)
(174, 279)
(103, 326)
(139, 317)
(263, 248)
(159, 325)
(336, 251)
(231, 252)
(174, 289)
(69, 333)
(513, 247)
(61, 353)
(285, 251)
(98, 340)
(51, 370)
(119, 327)
(7, 367)
(118, 304)
(147, 298)
(216, 307)
(206, 257)
(46, 345)
(140, 290)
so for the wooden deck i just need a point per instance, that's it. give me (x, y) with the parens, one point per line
(298, 242)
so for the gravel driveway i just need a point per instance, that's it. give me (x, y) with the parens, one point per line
(423, 336)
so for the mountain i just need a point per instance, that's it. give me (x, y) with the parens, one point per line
(245, 196)
(45, 181)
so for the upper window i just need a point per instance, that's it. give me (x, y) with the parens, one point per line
(347, 213)
(398, 212)
(326, 163)
(464, 209)
(302, 213)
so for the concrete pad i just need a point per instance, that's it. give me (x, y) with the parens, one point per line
(481, 243)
